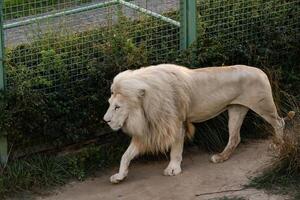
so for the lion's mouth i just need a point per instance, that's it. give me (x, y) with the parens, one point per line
(124, 123)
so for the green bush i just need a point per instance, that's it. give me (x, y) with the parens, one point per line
(43, 171)
(58, 85)
(39, 100)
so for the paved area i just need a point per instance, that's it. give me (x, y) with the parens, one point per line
(82, 21)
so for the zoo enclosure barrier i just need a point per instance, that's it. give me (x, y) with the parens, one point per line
(72, 28)
(25, 22)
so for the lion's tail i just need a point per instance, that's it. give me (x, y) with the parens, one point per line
(289, 116)
(190, 130)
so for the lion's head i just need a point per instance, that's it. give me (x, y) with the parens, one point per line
(117, 112)
(148, 107)
(124, 103)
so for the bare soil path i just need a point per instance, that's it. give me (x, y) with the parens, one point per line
(200, 179)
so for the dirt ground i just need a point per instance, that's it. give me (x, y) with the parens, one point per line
(200, 180)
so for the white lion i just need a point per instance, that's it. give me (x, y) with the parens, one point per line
(156, 106)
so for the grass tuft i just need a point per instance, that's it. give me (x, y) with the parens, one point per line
(283, 176)
(43, 171)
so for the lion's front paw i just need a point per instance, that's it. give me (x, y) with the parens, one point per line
(172, 170)
(217, 158)
(117, 178)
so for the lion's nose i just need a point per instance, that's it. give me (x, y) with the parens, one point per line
(107, 121)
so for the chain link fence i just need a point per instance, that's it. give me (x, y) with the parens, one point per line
(48, 40)
(50, 44)
(32, 27)
(236, 21)
(68, 32)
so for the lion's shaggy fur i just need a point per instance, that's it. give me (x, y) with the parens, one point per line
(155, 118)
(157, 105)
(164, 99)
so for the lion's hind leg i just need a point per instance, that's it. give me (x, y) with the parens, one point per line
(236, 114)
(267, 110)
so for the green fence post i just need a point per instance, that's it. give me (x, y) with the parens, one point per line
(3, 138)
(188, 29)
(119, 10)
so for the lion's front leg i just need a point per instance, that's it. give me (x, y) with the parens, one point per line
(174, 166)
(131, 152)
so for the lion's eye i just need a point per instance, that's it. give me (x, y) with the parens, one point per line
(111, 93)
(117, 107)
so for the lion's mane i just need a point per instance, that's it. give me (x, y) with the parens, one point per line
(159, 99)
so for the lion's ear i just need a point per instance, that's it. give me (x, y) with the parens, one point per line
(141, 93)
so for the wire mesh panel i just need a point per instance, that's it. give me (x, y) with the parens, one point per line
(60, 38)
(244, 20)
(156, 26)
(58, 45)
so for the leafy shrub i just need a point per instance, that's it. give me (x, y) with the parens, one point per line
(42, 105)
(58, 85)
(41, 171)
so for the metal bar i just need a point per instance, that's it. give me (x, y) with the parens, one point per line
(149, 12)
(58, 14)
(188, 32)
(3, 138)
(119, 10)
(3, 149)
(192, 21)
(183, 28)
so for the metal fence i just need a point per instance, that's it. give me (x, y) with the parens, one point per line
(73, 27)
(245, 20)
(35, 31)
